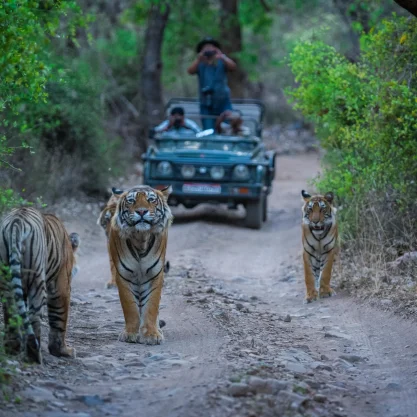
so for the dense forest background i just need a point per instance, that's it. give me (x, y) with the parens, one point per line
(83, 80)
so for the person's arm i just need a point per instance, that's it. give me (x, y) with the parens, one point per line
(193, 68)
(229, 63)
(191, 124)
(219, 121)
(161, 127)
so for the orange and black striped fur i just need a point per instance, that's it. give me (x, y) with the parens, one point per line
(137, 243)
(104, 221)
(320, 239)
(40, 256)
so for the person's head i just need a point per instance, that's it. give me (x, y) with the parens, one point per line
(234, 117)
(208, 47)
(177, 116)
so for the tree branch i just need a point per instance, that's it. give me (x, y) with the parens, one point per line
(266, 6)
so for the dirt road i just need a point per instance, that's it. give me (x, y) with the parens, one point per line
(238, 341)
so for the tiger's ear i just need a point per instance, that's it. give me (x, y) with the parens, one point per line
(306, 196)
(329, 197)
(166, 192)
(116, 191)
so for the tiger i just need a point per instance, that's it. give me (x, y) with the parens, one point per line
(137, 243)
(104, 220)
(320, 242)
(38, 263)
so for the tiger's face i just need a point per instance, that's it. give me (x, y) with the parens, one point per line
(318, 211)
(143, 209)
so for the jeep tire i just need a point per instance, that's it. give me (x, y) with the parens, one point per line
(255, 213)
(265, 209)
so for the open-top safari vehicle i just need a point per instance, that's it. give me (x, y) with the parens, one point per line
(211, 168)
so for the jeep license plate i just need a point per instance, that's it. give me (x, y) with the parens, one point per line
(202, 188)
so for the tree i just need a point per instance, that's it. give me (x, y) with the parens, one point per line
(231, 37)
(150, 82)
(356, 17)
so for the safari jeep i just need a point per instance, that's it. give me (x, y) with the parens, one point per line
(212, 168)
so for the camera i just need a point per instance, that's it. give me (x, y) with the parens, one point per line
(177, 123)
(207, 96)
(209, 54)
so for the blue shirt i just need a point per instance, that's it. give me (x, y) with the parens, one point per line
(214, 76)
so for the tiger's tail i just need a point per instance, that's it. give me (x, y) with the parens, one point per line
(15, 262)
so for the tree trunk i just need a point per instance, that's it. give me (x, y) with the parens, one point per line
(409, 5)
(350, 16)
(231, 40)
(151, 71)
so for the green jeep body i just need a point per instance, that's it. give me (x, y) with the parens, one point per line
(212, 168)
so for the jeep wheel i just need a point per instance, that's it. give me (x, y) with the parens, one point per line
(265, 209)
(254, 213)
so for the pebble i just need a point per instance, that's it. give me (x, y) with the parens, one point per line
(320, 398)
(321, 367)
(290, 400)
(351, 358)
(267, 385)
(239, 390)
(296, 367)
(38, 395)
(337, 335)
(393, 386)
(90, 400)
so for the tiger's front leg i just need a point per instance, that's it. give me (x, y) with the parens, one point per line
(112, 282)
(150, 297)
(130, 311)
(312, 293)
(325, 290)
(58, 299)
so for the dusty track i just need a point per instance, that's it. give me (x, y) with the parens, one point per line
(226, 294)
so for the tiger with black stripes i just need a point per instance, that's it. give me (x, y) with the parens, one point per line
(39, 254)
(320, 242)
(104, 221)
(137, 243)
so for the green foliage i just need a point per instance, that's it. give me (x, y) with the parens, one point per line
(27, 28)
(365, 113)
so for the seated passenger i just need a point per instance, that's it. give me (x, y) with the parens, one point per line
(177, 122)
(235, 127)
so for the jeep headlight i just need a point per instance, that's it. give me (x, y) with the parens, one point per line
(217, 173)
(164, 169)
(188, 171)
(241, 172)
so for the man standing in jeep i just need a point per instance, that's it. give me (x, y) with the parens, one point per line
(211, 66)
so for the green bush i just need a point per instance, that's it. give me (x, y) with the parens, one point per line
(365, 114)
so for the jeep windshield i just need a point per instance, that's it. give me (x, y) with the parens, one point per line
(212, 143)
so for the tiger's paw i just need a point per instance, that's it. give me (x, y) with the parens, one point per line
(129, 337)
(62, 351)
(311, 296)
(327, 292)
(150, 336)
(33, 349)
(110, 285)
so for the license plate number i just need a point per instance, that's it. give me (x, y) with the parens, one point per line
(202, 188)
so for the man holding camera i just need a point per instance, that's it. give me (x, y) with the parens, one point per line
(177, 121)
(211, 66)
